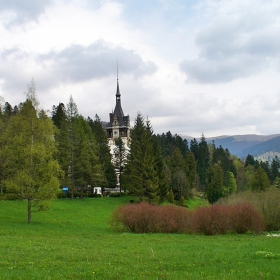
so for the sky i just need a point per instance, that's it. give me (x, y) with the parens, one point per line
(192, 67)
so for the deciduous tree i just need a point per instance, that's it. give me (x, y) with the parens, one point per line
(31, 170)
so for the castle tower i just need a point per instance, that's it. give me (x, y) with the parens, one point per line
(119, 124)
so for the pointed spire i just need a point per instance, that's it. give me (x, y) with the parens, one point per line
(118, 95)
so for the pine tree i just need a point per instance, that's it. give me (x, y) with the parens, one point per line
(203, 160)
(104, 156)
(141, 176)
(214, 185)
(274, 169)
(160, 170)
(194, 148)
(249, 160)
(59, 115)
(191, 169)
(87, 170)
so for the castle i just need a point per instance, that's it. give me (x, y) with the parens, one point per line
(119, 124)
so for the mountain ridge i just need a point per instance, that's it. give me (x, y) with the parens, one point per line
(256, 145)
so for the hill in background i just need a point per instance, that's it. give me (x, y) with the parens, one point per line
(262, 147)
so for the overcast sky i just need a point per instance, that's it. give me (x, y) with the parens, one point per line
(192, 66)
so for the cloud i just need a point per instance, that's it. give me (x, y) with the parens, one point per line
(210, 71)
(236, 43)
(72, 65)
(78, 63)
(20, 12)
(15, 69)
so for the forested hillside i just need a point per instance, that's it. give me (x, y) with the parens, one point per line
(41, 154)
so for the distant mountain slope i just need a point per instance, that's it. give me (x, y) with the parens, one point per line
(272, 145)
(242, 145)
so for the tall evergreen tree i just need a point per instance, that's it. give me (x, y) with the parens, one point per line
(203, 161)
(274, 169)
(63, 142)
(194, 148)
(87, 170)
(249, 160)
(141, 176)
(179, 182)
(181, 144)
(104, 155)
(160, 167)
(191, 169)
(59, 115)
(214, 185)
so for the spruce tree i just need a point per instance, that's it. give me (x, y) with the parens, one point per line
(141, 177)
(214, 187)
(191, 169)
(203, 161)
(274, 169)
(104, 155)
(87, 169)
(59, 115)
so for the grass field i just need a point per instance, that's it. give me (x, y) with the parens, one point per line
(73, 240)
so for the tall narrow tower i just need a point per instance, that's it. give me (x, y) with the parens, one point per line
(119, 125)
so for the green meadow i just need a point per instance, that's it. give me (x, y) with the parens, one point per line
(73, 240)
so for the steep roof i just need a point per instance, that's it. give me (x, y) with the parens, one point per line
(118, 108)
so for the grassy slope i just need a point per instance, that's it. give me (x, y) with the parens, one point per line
(74, 241)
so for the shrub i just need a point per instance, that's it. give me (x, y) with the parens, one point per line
(217, 219)
(144, 217)
(220, 219)
(245, 217)
(9, 196)
(170, 196)
(181, 201)
(61, 194)
(266, 202)
(115, 194)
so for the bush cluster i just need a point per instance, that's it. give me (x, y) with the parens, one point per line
(267, 203)
(147, 218)
(221, 219)
(210, 220)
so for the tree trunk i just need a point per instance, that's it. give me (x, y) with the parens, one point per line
(72, 192)
(29, 210)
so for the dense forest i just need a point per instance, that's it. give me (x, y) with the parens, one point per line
(40, 154)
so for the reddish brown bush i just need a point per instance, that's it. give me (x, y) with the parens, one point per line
(217, 219)
(220, 219)
(144, 218)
